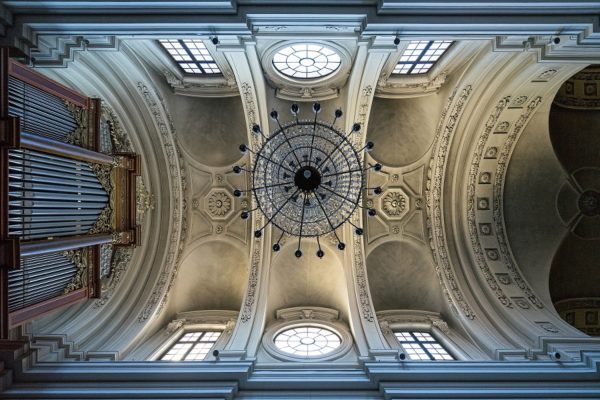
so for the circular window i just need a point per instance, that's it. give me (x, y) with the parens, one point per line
(307, 341)
(306, 61)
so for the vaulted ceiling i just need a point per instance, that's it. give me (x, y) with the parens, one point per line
(483, 169)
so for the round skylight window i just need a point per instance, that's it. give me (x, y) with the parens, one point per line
(307, 341)
(306, 61)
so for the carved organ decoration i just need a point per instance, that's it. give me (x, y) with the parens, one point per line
(67, 192)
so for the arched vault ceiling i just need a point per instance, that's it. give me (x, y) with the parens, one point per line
(403, 129)
(401, 276)
(211, 277)
(308, 281)
(533, 179)
(574, 123)
(209, 129)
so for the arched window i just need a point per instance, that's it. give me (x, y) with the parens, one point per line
(420, 56)
(192, 56)
(307, 334)
(306, 60)
(421, 346)
(192, 346)
(191, 336)
(424, 336)
(307, 341)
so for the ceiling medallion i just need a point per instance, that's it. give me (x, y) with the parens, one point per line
(307, 178)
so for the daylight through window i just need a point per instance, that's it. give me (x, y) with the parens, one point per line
(422, 346)
(306, 61)
(307, 341)
(192, 346)
(420, 56)
(192, 56)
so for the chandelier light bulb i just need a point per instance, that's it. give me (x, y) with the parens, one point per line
(307, 178)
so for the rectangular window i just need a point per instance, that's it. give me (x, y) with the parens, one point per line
(422, 346)
(192, 56)
(420, 56)
(192, 346)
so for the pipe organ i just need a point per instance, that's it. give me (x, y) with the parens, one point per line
(65, 194)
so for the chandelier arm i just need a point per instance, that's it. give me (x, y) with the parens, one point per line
(339, 195)
(279, 209)
(273, 185)
(280, 236)
(344, 139)
(327, 217)
(312, 141)
(302, 221)
(277, 164)
(343, 172)
(288, 141)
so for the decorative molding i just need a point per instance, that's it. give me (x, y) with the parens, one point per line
(411, 319)
(436, 177)
(317, 89)
(498, 209)
(395, 204)
(548, 326)
(581, 91)
(472, 208)
(364, 107)
(60, 50)
(300, 313)
(319, 317)
(360, 272)
(250, 298)
(200, 86)
(164, 124)
(403, 87)
(219, 204)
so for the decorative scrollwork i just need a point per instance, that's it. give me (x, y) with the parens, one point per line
(79, 257)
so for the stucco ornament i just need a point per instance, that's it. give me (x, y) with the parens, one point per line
(395, 204)
(219, 204)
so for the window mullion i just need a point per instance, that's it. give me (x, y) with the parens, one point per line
(189, 52)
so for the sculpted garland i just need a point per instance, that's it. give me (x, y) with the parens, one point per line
(178, 180)
(435, 181)
(503, 159)
(471, 210)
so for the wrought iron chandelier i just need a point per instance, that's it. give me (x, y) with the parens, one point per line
(307, 178)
